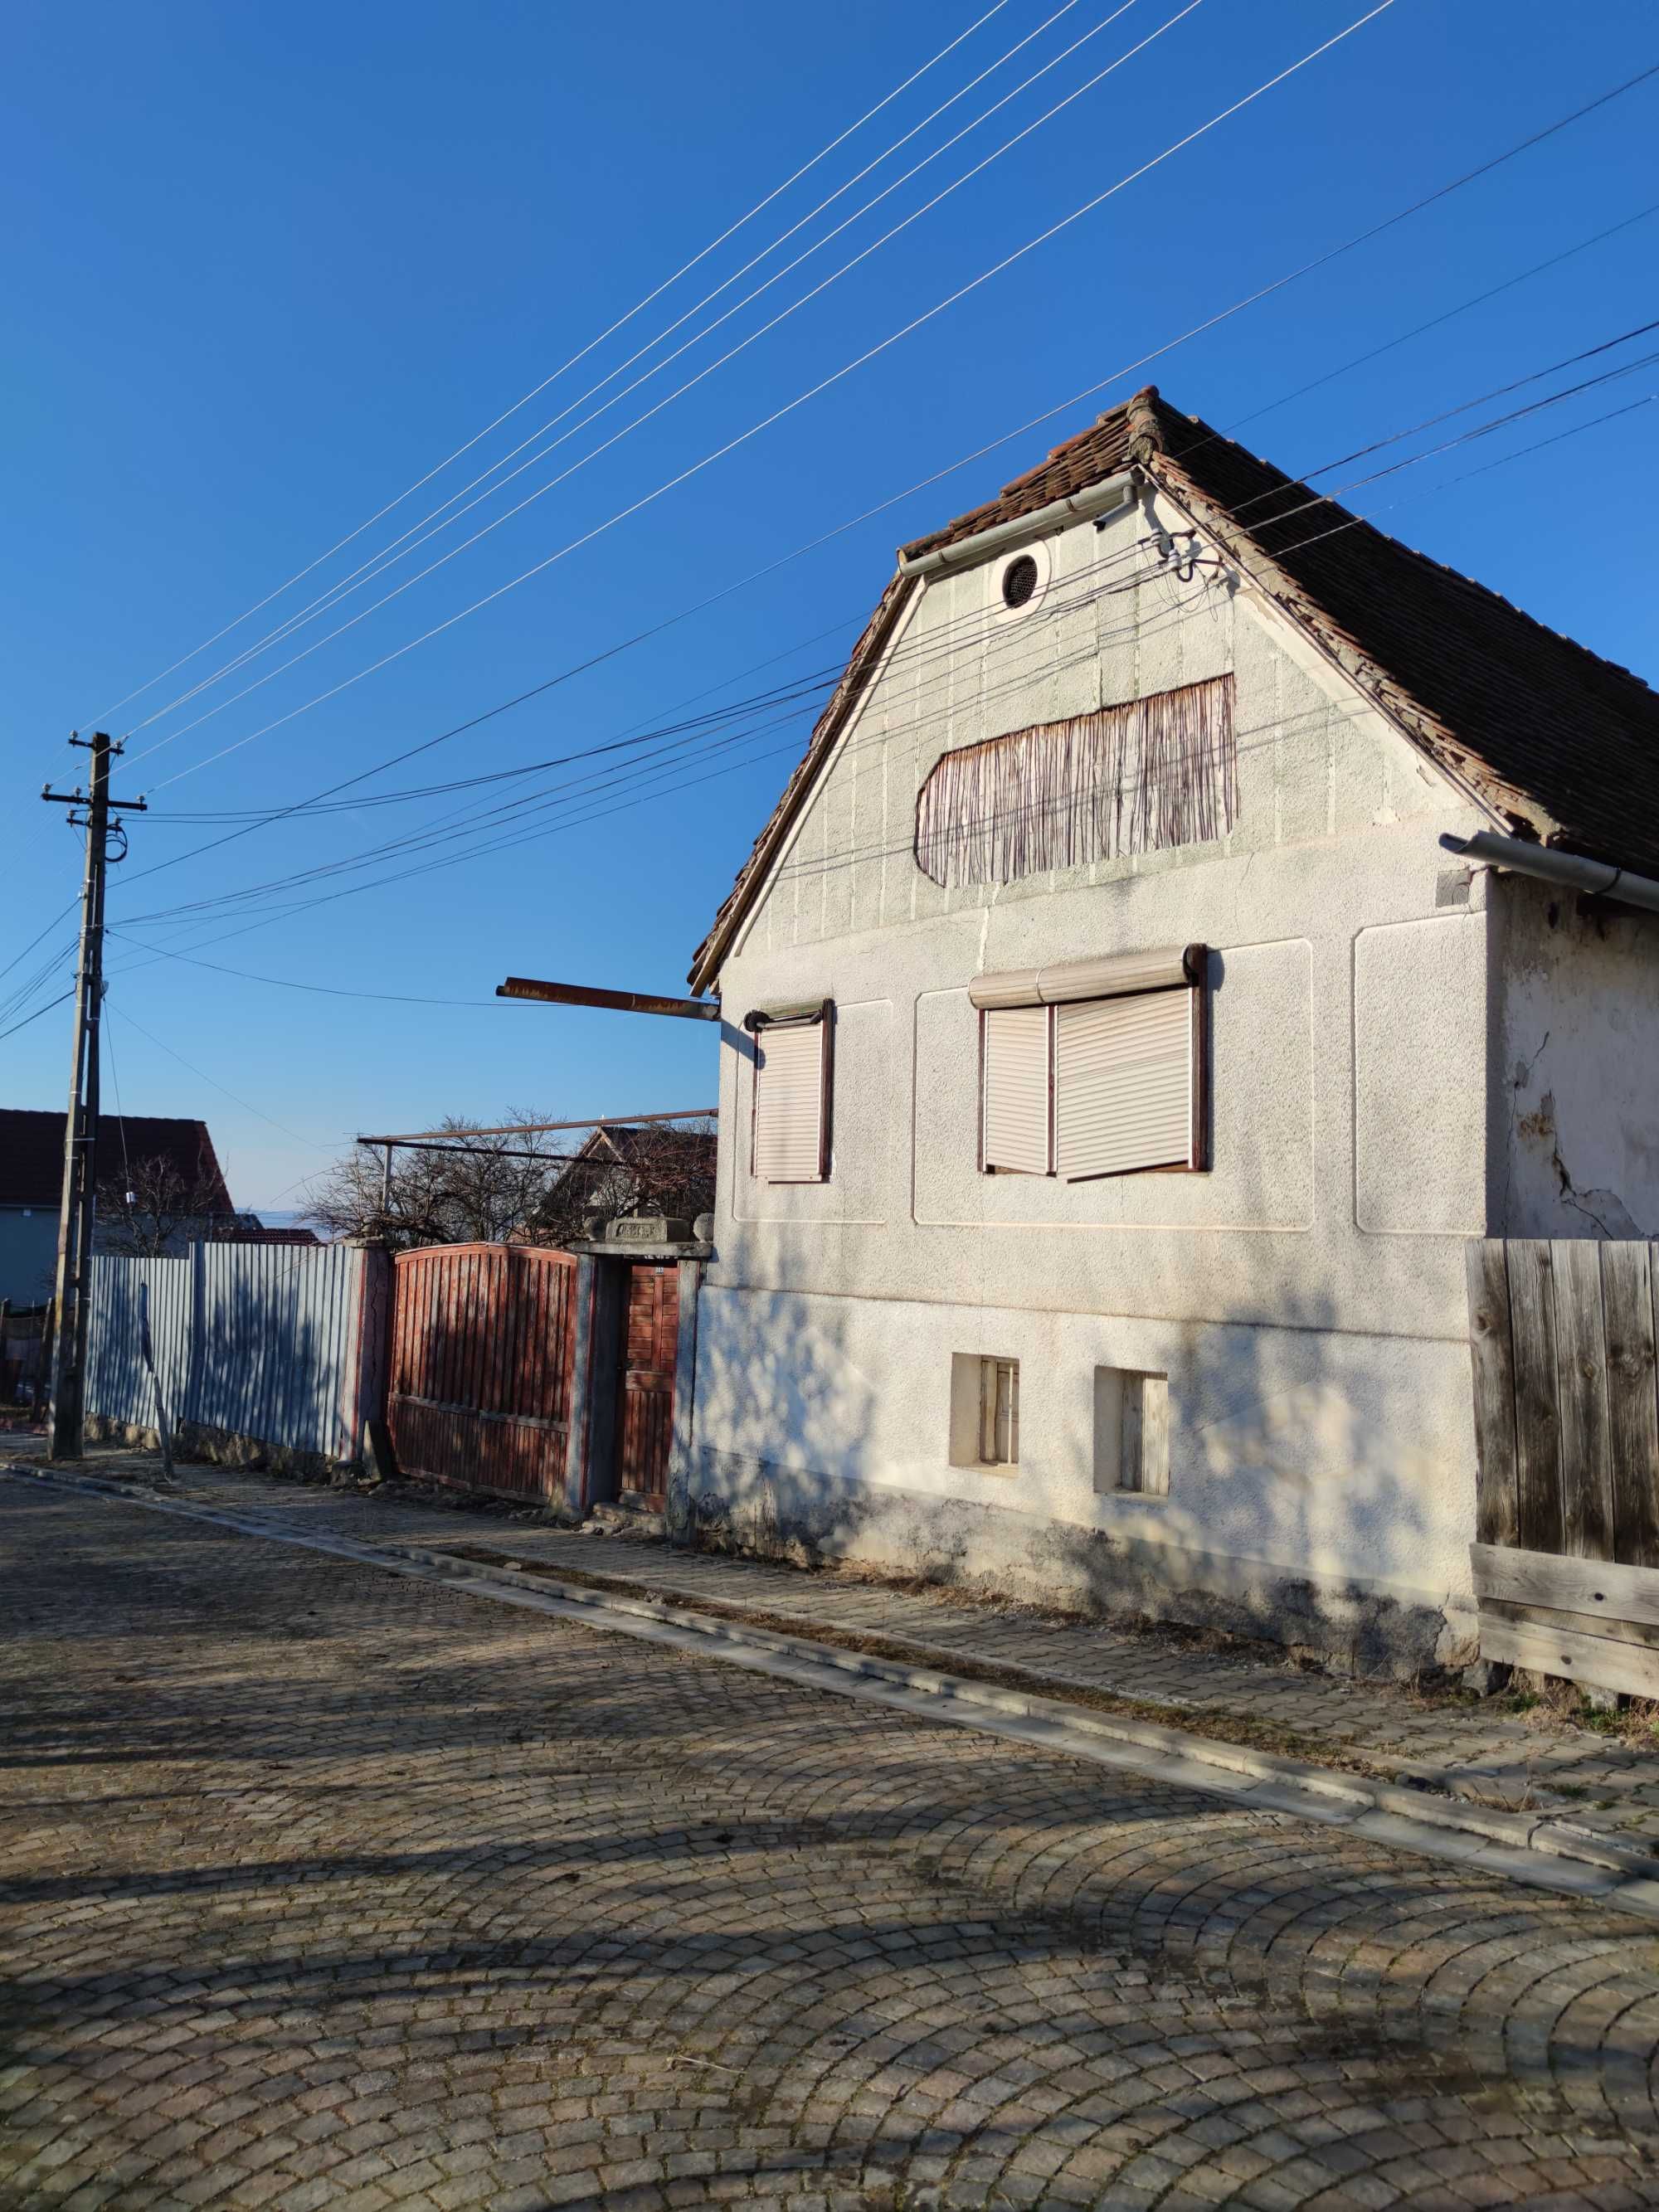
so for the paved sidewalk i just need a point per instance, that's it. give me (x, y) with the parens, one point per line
(1490, 1751)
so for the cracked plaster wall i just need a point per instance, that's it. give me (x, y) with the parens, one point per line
(1574, 1079)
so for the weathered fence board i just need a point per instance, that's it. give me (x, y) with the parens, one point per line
(1567, 1418)
(1632, 1401)
(1537, 1423)
(1492, 1356)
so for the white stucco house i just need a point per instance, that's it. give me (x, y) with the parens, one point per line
(1116, 1059)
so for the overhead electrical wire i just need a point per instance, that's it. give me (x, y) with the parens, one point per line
(812, 392)
(1455, 184)
(384, 557)
(416, 839)
(710, 368)
(1349, 245)
(500, 843)
(535, 391)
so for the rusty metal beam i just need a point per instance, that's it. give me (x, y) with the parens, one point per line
(621, 1002)
(537, 1128)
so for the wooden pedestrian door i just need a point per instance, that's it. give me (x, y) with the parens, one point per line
(645, 1409)
(480, 1388)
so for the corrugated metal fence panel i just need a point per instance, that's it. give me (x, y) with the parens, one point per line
(261, 1341)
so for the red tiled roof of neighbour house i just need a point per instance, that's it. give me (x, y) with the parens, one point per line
(1554, 742)
(32, 1153)
(261, 1235)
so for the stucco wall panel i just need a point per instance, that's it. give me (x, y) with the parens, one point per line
(1419, 1084)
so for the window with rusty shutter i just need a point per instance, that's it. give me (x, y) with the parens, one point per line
(1015, 1137)
(792, 1115)
(1124, 1088)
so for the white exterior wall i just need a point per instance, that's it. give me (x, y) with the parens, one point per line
(1305, 1298)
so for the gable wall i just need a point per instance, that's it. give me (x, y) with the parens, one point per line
(1305, 1298)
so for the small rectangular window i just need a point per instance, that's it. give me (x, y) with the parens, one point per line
(1132, 1431)
(791, 1139)
(984, 1411)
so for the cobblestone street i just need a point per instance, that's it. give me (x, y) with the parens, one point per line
(323, 1888)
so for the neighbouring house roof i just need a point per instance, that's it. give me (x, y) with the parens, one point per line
(257, 1233)
(1554, 743)
(32, 1153)
(623, 1143)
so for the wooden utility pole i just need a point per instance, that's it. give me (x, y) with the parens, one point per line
(74, 1216)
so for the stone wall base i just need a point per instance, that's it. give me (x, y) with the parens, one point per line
(759, 1508)
(220, 1448)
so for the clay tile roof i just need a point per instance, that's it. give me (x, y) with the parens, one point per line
(1556, 743)
(32, 1153)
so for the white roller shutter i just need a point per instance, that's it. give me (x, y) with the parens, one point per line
(1016, 1105)
(1124, 1090)
(789, 1102)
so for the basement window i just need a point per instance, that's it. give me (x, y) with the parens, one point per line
(1132, 1431)
(790, 1139)
(984, 1411)
(1095, 1067)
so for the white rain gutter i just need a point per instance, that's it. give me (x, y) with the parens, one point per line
(1594, 878)
(1041, 522)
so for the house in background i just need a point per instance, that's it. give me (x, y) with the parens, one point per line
(627, 1168)
(1115, 1061)
(166, 1159)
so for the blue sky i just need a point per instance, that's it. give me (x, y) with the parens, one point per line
(265, 268)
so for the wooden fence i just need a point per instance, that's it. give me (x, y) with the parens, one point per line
(1566, 1425)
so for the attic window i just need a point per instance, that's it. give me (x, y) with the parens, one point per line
(1019, 583)
(1139, 778)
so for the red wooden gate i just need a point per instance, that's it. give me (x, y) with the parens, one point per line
(645, 1411)
(481, 1355)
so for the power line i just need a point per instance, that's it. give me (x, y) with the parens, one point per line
(812, 544)
(377, 562)
(437, 834)
(285, 983)
(310, 1143)
(657, 408)
(719, 452)
(579, 820)
(639, 306)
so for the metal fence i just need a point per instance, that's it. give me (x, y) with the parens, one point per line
(261, 1341)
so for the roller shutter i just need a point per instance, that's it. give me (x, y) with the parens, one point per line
(791, 1118)
(1124, 1090)
(1016, 1128)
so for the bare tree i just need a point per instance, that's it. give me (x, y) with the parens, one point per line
(651, 1167)
(526, 1187)
(154, 1206)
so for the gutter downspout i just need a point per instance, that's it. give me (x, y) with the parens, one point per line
(1595, 878)
(1041, 522)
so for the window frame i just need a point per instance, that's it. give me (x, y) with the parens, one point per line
(1196, 987)
(819, 1016)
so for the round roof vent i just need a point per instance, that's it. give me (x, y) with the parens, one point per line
(1019, 583)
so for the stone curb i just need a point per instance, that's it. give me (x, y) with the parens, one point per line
(1545, 1853)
